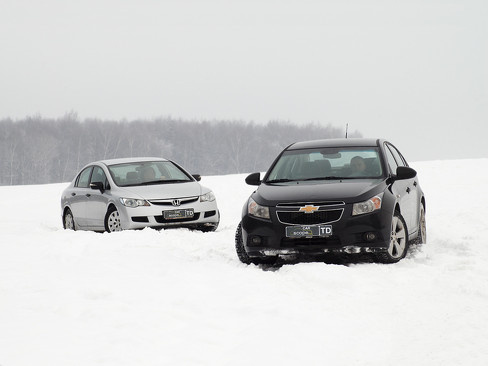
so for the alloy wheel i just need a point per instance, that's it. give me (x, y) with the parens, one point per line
(113, 222)
(398, 239)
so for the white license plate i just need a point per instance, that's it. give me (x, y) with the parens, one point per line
(179, 214)
(308, 231)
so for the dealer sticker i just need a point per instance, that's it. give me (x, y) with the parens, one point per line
(308, 231)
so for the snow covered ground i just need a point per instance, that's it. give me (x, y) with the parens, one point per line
(178, 297)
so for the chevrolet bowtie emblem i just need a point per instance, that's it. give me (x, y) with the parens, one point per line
(309, 208)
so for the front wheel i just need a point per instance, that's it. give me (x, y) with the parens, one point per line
(398, 246)
(207, 229)
(240, 250)
(112, 220)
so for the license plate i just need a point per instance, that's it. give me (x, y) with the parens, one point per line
(308, 231)
(179, 214)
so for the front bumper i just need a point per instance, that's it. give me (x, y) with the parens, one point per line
(368, 233)
(206, 214)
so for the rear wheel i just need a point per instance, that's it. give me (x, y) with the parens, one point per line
(422, 230)
(112, 220)
(68, 220)
(398, 246)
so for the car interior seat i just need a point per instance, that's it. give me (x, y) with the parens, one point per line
(315, 169)
(131, 178)
(372, 167)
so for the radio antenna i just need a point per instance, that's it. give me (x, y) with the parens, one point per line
(347, 126)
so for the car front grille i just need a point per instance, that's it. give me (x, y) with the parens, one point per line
(169, 202)
(302, 218)
(299, 204)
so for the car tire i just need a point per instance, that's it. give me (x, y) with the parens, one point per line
(240, 250)
(68, 220)
(422, 230)
(207, 229)
(112, 220)
(398, 247)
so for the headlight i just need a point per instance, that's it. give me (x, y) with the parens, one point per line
(207, 197)
(368, 206)
(132, 202)
(253, 209)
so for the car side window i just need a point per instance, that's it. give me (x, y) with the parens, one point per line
(391, 160)
(83, 180)
(99, 176)
(398, 157)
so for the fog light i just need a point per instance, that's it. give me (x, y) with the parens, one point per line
(370, 236)
(256, 240)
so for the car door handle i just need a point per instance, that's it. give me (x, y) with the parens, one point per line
(408, 189)
(73, 194)
(88, 195)
(415, 184)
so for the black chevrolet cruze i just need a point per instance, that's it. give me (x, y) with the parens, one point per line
(333, 196)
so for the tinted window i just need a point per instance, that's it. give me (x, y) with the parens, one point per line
(150, 172)
(84, 178)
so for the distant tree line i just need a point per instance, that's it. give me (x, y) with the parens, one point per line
(38, 150)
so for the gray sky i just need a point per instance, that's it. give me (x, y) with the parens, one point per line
(414, 72)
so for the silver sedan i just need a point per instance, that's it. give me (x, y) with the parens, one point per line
(119, 194)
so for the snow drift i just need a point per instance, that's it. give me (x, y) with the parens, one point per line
(177, 297)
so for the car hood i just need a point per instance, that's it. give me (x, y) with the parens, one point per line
(162, 191)
(313, 191)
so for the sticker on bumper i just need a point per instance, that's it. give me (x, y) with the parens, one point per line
(308, 231)
(178, 214)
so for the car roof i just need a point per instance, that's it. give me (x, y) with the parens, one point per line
(127, 160)
(349, 142)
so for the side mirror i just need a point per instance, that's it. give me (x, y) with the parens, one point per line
(197, 177)
(253, 179)
(405, 172)
(97, 185)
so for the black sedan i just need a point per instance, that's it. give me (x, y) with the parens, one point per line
(333, 196)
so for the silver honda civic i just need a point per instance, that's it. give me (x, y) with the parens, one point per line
(133, 193)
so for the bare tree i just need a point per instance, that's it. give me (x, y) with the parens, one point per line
(39, 150)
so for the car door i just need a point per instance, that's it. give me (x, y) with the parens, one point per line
(79, 196)
(407, 189)
(97, 201)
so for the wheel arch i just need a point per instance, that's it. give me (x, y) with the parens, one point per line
(110, 205)
(66, 208)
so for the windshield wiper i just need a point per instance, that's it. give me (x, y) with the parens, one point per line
(329, 178)
(284, 180)
(163, 181)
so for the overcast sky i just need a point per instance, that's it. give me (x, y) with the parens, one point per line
(414, 72)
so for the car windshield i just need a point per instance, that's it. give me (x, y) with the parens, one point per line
(326, 164)
(146, 173)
